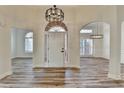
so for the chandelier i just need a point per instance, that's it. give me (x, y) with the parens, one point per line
(54, 14)
(97, 35)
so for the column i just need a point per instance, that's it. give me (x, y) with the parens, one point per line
(115, 47)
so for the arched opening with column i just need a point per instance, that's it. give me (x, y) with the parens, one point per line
(56, 44)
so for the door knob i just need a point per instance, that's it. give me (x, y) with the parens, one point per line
(62, 50)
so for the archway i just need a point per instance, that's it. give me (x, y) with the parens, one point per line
(21, 48)
(56, 51)
(99, 47)
(21, 43)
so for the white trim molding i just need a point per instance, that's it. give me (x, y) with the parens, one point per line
(5, 74)
(37, 66)
(72, 66)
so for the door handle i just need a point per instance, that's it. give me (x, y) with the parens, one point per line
(62, 50)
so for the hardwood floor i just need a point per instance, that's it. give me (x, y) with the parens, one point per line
(93, 73)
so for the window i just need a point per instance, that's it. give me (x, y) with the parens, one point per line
(57, 29)
(86, 31)
(29, 42)
(86, 44)
(86, 47)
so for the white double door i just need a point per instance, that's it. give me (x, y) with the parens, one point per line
(56, 49)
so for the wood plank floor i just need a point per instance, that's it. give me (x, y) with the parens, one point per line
(93, 74)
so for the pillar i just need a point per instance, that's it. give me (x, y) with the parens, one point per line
(115, 47)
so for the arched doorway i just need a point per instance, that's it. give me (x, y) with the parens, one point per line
(56, 54)
(97, 47)
(98, 62)
(21, 43)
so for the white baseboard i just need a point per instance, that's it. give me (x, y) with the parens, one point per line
(37, 66)
(114, 76)
(70, 66)
(13, 57)
(20, 57)
(73, 66)
(5, 74)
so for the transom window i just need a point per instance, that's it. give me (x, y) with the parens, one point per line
(86, 31)
(57, 29)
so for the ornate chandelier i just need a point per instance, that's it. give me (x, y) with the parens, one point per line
(54, 14)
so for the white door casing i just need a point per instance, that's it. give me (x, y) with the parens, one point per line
(56, 49)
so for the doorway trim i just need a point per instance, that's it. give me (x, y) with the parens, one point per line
(49, 26)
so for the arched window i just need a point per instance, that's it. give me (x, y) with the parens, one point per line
(88, 31)
(29, 42)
